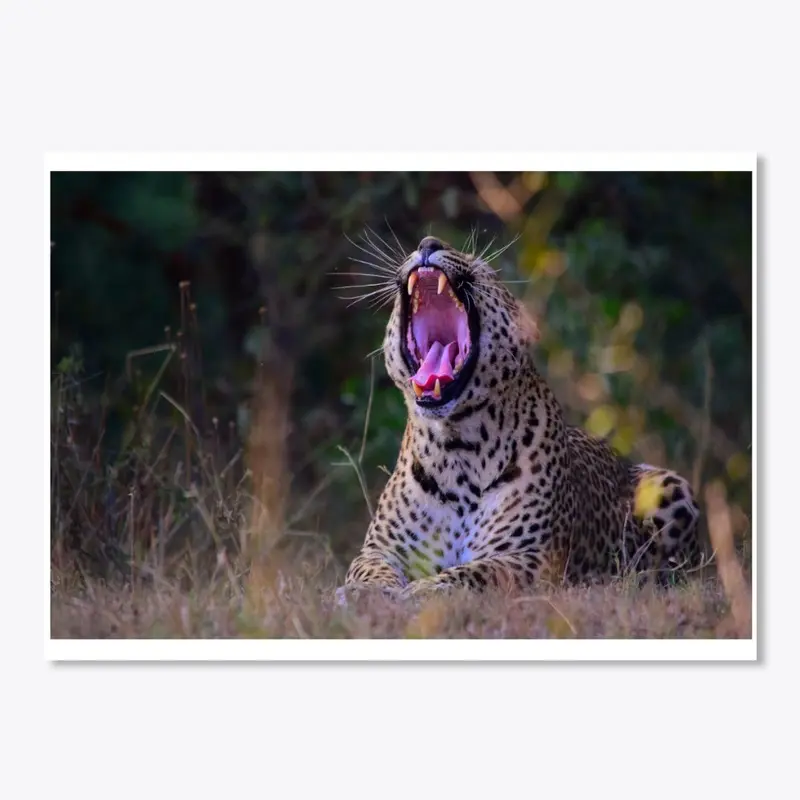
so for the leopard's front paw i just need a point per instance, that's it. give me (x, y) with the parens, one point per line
(340, 596)
(424, 587)
(347, 593)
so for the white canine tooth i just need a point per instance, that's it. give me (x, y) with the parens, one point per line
(442, 283)
(412, 281)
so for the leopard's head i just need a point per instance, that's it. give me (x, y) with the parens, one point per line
(456, 335)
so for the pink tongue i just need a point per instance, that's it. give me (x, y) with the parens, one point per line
(437, 364)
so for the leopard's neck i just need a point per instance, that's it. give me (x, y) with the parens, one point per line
(485, 437)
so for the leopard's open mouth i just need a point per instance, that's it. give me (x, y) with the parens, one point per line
(440, 342)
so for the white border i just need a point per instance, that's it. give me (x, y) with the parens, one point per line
(401, 650)
(454, 161)
(407, 650)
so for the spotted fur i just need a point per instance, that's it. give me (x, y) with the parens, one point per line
(492, 488)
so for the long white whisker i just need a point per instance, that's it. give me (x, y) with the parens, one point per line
(487, 248)
(374, 352)
(472, 240)
(386, 279)
(378, 269)
(378, 302)
(385, 262)
(371, 253)
(365, 275)
(361, 286)
(501, 250)
(377, 250)
(392, 251)
(480, 292)
(379, 298)
(400, 248)
(381, 290)
(347, 274)
(379, 287)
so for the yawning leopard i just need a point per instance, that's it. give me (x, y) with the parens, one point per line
(491, 487)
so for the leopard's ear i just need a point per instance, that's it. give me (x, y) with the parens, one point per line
(527, 324)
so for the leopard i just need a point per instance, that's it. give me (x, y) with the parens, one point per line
(492, 487)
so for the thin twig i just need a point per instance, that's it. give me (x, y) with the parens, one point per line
(705, 427)
(552, 605)
(360, 474)
(369, 410)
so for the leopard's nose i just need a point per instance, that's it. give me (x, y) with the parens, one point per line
(427, 247)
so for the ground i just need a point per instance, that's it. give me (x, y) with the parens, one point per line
(297, 607)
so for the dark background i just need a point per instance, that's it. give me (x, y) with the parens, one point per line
(177, 298)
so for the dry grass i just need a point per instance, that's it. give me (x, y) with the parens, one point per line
(266, 585)
(284, 606)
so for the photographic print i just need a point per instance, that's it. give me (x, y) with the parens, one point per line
(385, 413)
